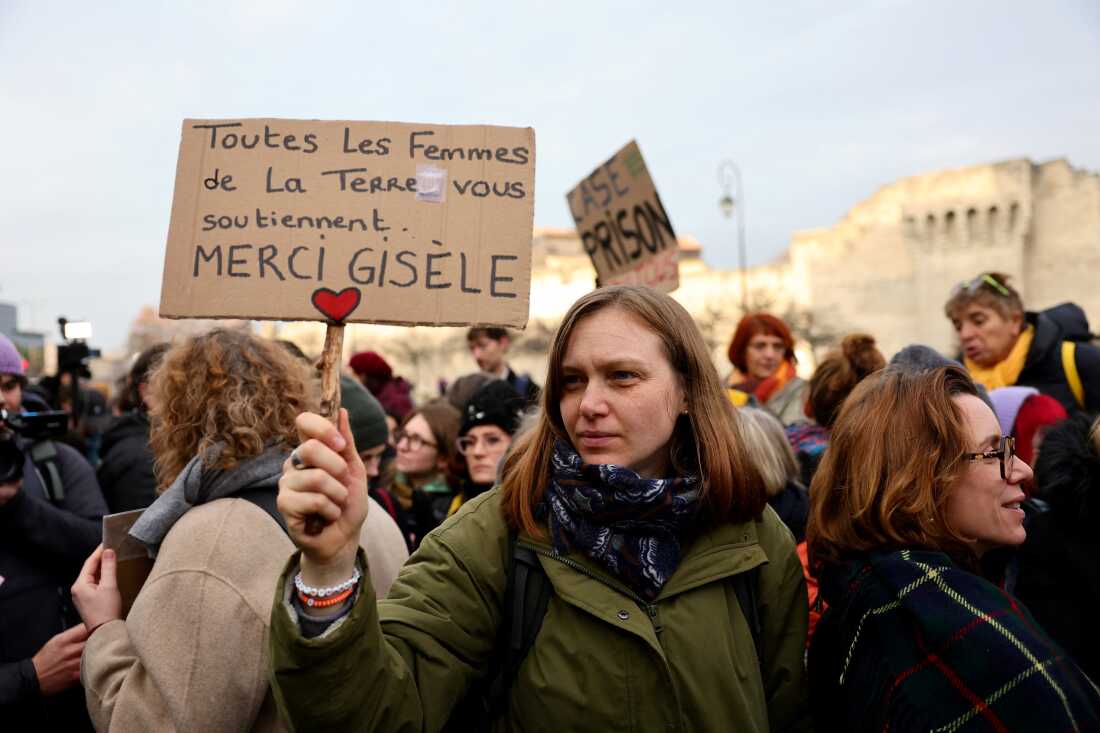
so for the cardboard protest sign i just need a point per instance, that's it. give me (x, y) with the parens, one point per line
(623, 225)
(133, 563)
(376, 222)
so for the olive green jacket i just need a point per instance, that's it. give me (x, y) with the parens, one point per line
(604, 660)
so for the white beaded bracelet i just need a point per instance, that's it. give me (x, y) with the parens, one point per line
(325, 592)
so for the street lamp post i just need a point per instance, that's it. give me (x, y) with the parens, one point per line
(728, 174)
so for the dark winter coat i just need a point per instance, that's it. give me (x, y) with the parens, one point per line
(525, 386)
(126, 473)
(1043, 368)
(792, 504)
(1059, 570)
(42, 547)
(912, 642)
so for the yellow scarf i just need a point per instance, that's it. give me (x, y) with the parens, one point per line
(1005, 372)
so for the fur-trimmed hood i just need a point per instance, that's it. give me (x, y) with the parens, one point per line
(1067, 473)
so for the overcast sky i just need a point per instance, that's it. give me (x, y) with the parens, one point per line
(820, 103)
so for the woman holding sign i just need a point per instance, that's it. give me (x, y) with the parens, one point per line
(191, 655)
(668, 595)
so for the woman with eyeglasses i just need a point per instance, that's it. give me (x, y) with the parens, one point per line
(917, 486)
(423, 482)
(1003, 345)
(489, 421)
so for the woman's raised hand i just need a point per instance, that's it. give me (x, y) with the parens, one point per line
(330, 483)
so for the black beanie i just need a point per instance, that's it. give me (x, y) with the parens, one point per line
(497, 403)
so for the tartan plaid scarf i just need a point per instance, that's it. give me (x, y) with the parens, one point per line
(912, 642)
(628, 524)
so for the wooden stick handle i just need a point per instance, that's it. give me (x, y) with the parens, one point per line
(330, 395)
(330, 372)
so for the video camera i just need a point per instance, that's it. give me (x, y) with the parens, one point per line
(32, 425)
(73, 355)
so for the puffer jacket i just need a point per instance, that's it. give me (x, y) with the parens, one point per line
(603, 661)
(126, 471)
(1044, 370)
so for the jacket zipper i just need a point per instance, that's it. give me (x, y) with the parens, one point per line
(650, 609)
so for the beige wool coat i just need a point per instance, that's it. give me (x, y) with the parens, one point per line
(192, 654)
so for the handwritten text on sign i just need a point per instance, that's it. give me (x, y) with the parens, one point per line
(376, 222)
(623, 225)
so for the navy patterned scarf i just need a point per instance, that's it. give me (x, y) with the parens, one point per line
(628, 524)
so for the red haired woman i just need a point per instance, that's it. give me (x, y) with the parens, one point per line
(762, 354)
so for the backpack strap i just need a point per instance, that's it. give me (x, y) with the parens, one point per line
(264, 497)
(45, 459)
(1069, 366)
(744, 588)
(526, 597)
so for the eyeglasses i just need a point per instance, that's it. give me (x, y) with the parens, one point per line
(1005, 453)
(984, 280)
(467, 443)
(415, 441)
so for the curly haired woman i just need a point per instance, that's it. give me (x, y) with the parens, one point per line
(191, 654)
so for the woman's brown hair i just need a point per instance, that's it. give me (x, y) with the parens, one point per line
(751, 326)
(838, 374)
(706, 440)
(227, 387)
(443, 421)
(894, 454)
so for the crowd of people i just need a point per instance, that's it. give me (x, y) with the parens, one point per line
(889, 544)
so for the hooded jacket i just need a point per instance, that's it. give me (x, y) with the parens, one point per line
(1059, 578)
(126, 472)
(603, 660)
(1043, 368)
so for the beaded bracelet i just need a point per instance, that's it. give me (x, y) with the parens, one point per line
(325, 603)
(326, 592)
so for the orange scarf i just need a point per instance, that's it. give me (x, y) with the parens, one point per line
(764, 389)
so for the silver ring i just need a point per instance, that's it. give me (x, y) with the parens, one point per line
(296, 460)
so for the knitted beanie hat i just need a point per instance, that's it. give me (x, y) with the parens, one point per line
(921, 358)
(462, 390)
(497, 403)
(365, 415)
(1007, 402)
(1038, 411)
(370, 363)
(11, 362)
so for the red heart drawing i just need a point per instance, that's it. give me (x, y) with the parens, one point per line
(336, 306)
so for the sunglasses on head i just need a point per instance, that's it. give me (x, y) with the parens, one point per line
(987, 281)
